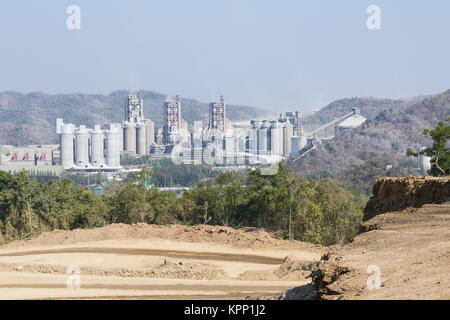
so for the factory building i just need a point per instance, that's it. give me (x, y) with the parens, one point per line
(32, 155)
(298, 143)
(350, 123)
(84, 148)
(138, 133)
(294, 119)
(270, 138)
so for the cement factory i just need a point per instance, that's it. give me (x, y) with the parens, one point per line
(217, 142)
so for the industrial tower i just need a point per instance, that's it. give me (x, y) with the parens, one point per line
(134, 111)
(174, 125)
(138, 133)
(217, 115)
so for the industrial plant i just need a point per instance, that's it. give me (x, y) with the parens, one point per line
(217, 142)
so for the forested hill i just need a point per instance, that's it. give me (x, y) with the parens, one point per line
(393, 126)
(30, 118)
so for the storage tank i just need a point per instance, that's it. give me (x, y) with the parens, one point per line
(150, 134)
(230, 148)
(113, 136)
(288, 132)
(97, 145)
(262, 139)
(121, 128)
(130, 138)
(253, 141)
(82, 146)
(275, 139)
(67, 145)
(141, 140)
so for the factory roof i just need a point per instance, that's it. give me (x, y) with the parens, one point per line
(353, 121)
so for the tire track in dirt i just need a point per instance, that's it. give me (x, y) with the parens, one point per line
(150, 287)
(157, 252)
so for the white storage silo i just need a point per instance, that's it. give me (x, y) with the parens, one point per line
(230, 148)
(275, 139)
(288, 132)
(121, 137)
(141, 139)
(67, 145)
(253, 141)
(262, 139)
(130, 138)
(97, 146)
(113, 136)
(150, 134)
(82, 146)
(252, 145)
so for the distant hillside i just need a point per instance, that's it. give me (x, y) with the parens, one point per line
(393, 126)
(30, 118)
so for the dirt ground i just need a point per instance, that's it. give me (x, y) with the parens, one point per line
(410, 248)
(154, 262)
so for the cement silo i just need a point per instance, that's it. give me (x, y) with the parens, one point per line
(275, 147)
(288, 132)
(82, 146)
(230, 147)
(130, 138)
(262, 139)
(113, 136)
(141, 139)
(121, 137)
(97, 147)
(150, 133)
(253, 141)
(67, 145)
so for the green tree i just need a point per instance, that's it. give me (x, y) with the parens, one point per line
(439, 151)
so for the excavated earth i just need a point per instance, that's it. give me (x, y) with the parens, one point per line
(402, 252)
(154, 262)
(410, 248)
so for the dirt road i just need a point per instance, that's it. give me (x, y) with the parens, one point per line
(149, 266)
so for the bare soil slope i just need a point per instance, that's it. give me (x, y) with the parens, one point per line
(411, 248)
(155, 262)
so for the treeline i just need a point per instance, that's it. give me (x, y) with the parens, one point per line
(28, 207)
(360, 178)
(316, 211)
(168, 174)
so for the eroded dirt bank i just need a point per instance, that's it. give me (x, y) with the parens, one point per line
(394, 194)
(402, 252)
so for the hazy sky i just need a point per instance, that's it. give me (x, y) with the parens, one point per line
(273, 54)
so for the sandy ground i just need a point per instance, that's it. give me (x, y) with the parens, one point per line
(153, 262)
(411, 248)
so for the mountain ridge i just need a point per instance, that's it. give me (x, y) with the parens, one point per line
(30, 118)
